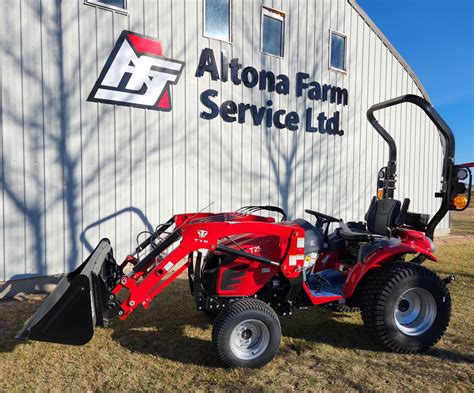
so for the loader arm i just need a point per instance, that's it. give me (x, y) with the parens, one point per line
(145, 283)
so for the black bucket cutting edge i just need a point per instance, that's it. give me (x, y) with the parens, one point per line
(81, 301)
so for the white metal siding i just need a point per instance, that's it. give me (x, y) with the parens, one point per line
(75, 171)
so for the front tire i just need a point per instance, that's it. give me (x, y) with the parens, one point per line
(406, 306)
(246, 334)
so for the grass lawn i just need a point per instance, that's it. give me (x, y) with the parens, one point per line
(168, 347)
(463, 221)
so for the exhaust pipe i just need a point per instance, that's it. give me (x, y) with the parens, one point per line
(81, 301)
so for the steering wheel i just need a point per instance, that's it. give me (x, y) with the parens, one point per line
(321, 218)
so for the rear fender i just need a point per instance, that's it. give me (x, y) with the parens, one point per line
(378, 259)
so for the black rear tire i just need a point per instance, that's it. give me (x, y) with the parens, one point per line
(406, 306)
(246, 334)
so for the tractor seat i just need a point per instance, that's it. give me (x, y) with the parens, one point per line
(382, 216)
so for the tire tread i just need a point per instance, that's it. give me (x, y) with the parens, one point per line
(225, 316)
(376, 292)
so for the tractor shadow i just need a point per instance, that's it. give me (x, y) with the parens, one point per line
(173, 329)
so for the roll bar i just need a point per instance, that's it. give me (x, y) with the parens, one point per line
(447, 141)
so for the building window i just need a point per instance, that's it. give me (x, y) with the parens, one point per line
(116, 5)
(337, 49)
(272, 31)
(217, 19)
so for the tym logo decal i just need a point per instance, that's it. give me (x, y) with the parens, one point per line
(136, 74)
(202, 233)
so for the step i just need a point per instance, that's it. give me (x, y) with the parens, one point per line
(329, 282)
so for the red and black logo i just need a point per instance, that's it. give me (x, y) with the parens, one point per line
(136, 74)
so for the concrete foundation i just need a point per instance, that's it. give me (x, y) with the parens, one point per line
(32, 285)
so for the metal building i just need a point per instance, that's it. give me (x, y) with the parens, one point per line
(77, 164)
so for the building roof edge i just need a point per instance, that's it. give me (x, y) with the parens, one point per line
(390, 47)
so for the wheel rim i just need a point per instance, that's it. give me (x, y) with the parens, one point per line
(249, 339)
(415, 311)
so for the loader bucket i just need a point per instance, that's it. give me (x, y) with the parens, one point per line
(81, 301)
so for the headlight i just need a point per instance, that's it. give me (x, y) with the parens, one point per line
(462, 173)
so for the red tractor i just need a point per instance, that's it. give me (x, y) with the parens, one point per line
(245, 268)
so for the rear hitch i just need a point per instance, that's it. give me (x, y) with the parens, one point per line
(449, 280)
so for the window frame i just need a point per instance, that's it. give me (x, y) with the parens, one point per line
(105, 6)
(280, 16)
(231, 4)
(346, 41)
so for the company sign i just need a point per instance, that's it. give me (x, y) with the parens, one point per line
(231, 111)
(136, 74)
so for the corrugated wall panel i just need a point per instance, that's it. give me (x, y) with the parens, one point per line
(191, 93)
(299, 105)
(138, 132)
(231, 161)
(166, 131)
(105, 134)
(204, 151)
(280, 165)
(32, 134)
(349, 121)
(248, 180)
(106, 140)
(178, 51)
(152, 132)
(74, 171)
(89, 162)
(341, 149)
(2, 175)
(13, 181)
(123, 157)
(330, 77)
(74, 65)
(53, 237)
(357, 97)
